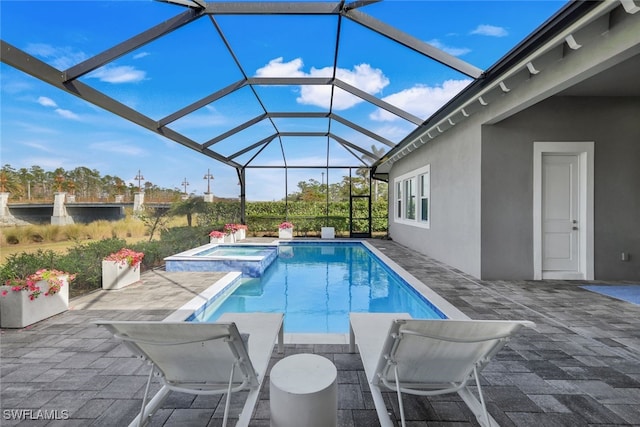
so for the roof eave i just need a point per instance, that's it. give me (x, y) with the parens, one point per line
(553, 26)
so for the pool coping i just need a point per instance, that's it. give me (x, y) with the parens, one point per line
(188, 254)
(250, 265)
(435, 299)
(200, 301)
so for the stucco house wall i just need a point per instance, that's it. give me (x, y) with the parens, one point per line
(480, 148)
(507, 183)
(454, 233)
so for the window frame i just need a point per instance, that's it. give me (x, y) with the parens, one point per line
(424, 195)
(420, 179)
(398, 198)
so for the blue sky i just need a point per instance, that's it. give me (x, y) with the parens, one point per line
(41, 125)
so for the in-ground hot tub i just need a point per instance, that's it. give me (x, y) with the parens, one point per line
(251, 260)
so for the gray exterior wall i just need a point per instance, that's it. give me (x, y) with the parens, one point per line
(507, 183)
(454, 236)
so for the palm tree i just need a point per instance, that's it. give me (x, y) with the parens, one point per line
(377, 153)
(188, 207)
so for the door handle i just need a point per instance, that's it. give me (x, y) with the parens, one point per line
(574, 228)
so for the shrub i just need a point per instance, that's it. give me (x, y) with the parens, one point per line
(128, 227)
(12, 239)
(154, 254)
(86, 261)
(47, 233)
(100, 229)
(179, 239)
(23, 264)
(73, 232)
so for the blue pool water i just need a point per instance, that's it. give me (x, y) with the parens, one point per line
(316, 285)
(629, 293)
(251, 260)
(235, 251)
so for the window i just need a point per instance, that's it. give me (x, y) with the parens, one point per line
(399, 199)
(410, 199)
(424, 196)
(413, 191)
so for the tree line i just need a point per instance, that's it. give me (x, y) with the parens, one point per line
(36, 183)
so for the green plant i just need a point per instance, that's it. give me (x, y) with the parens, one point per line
(154, 253)
(23, 264)
(86, 260)
(188, 207)
(54, 278)
(154, 219)
(126, 256)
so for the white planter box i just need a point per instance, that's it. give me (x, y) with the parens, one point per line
(18, 311)
(328, 233)
(116, 275)
(241, 234)
(229, 238)
(285, 233)
(216, 239)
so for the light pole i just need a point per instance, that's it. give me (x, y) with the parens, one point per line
(139, 178)
(185, 183)
(208, 177)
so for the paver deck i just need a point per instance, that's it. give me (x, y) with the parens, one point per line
(579, 367)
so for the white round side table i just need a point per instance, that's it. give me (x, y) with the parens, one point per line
(304, 392)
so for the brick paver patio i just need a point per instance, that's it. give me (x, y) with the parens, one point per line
(579, 367)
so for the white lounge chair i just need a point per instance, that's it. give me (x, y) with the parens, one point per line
(427, 357)
(204, 358)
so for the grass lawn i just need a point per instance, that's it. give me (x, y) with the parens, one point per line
(59, 247)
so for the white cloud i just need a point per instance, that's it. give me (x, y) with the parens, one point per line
(277, 68)
(59, 57)
(394, 132)
(47, 102)
(35, 126)
(48, 163)
(118, 74)
(38, 146)
(490, 30)
(117, 147)
(455, 51)
(13, 83)
(141, 55)
(420, 100)
(67, 114)
(206, 118)
(362, 76)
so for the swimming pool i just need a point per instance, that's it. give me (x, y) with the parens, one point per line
(252, 260)
(235, 251)
(317, 285)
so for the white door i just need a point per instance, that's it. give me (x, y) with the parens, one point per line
(563, 181)
(561, 214)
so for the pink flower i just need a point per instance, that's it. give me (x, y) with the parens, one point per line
(54, 278)
(126, 256)
(231, 228)
(285, 225)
